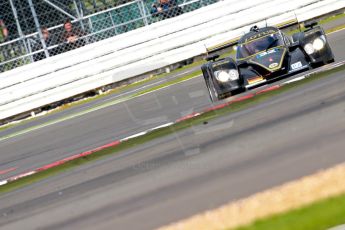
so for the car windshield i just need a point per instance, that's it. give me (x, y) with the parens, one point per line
(250, 48)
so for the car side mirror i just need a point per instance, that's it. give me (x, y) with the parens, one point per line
(310, 24)
(212, 57)
(294, 46)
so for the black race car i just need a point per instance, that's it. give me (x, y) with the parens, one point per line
(264, 55)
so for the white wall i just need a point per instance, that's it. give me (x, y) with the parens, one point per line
(145, 49)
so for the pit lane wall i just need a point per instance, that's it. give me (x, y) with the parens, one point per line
(146, 49)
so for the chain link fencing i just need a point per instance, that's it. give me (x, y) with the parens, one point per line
(32, 30)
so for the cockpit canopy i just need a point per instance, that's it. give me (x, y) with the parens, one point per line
(259, 42)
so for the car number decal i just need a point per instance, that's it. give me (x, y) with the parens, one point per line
(266, 53)
(296, 65)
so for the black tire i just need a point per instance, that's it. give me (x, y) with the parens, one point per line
(322, 63)
(330, 54)
(331, 61)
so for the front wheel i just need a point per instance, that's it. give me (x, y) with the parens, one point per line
(331, 61)
(322, 63)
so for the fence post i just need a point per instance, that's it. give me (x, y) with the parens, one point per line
(142, 10)
(79, 14)
(19, 29)
(59, 9)
(38, 28)
(112, 22)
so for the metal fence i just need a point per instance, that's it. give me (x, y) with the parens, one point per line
(32, 30)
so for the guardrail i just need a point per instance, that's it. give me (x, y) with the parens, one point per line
(145, 49)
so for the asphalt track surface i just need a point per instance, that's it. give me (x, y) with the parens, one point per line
(291, 135)
(46, 145)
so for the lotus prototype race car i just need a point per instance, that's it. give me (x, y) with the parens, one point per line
(264, 55)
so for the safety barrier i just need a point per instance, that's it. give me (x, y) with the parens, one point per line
(145, 49)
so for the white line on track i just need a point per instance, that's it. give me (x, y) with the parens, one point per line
(133, 136)
(340, 227)
(335, 31)
(294, 80)
(161, 126)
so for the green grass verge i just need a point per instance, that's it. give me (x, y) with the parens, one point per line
(205, 117)
(321, 215)
(8, 126)
(335, 29)
(332, 18)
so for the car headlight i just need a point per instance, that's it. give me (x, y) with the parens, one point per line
(318, 44)
(309, 48)
(222, 76)
(234, 75)
(227, 75)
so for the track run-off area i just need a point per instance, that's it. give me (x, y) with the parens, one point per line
(291, 135)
